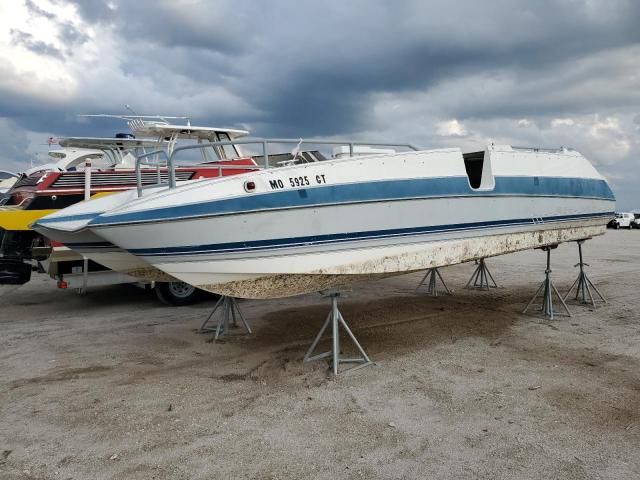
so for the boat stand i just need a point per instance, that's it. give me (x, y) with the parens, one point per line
(547, 288)
(335, 319)
(583, 284)
(431, 279)
(481, 277)
(228, 308)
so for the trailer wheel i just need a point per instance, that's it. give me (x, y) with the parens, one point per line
(177, 293)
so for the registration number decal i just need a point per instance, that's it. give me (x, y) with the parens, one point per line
(295, 182)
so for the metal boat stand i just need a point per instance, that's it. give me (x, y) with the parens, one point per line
(431, 279)
(547, 288)
(481, 277)
(336, 320)
(228, 308)
(583, 284)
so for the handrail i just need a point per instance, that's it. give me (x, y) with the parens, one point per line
(139, 162)
(265, 142)
(543, 149)
(219, 168)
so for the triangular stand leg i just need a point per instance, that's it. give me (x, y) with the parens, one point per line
(335, 320)
(585, 289)
(227, 307)
(481, 278)
(547, 289)
(431, 280)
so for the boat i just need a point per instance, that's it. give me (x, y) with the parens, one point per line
(43, 189)
(314, 226)
(65, 181)
(68, 226)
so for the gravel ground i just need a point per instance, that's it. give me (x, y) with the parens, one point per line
(112, 385)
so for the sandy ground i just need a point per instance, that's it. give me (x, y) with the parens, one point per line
(112, 385)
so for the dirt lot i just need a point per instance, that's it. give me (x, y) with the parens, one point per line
(113, 385)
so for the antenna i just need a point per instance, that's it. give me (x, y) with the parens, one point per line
(128, 107)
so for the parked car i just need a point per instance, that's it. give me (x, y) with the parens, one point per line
(636, 221)
(623, 220)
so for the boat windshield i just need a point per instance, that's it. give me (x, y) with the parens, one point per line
(228, 152)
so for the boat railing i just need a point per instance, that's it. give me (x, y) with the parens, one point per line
(542, 150)
(264, 144)
(140, 160)
(143, 160)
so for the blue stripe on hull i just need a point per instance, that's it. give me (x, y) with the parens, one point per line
(387, 190)
(352, 236)
(88, 245)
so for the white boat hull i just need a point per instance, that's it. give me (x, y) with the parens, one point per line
(361, 219)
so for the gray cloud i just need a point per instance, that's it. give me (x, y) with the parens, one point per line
(395, 49)
(14, 145)
(67, 34)
(25, 39)
(70, 35)
(94, 11)
(34, 9)
(223, 26)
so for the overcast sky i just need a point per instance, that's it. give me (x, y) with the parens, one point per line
(432, 73)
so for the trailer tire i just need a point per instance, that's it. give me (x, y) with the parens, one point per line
(177, 293)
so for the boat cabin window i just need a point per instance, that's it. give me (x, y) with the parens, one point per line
(474, 163)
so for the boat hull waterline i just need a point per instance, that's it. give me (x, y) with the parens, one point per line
(358, 219)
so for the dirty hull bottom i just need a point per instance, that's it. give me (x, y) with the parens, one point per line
(149, 274)
(433, 254)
